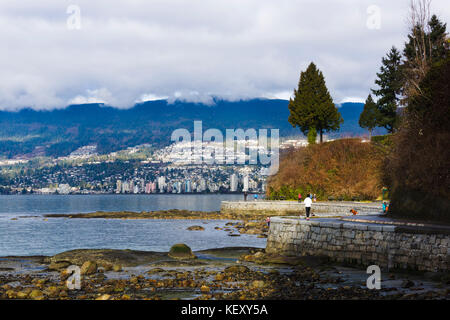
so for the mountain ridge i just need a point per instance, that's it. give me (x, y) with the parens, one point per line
(58, 132)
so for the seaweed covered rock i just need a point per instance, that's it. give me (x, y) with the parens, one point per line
(195, 228)
(181, 251)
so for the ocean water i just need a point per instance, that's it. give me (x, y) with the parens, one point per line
(30, 234)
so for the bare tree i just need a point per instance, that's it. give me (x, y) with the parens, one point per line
(419, 62)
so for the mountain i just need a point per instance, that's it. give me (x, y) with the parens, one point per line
(58, 132)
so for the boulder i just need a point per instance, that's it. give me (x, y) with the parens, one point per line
(117, 268)
(89, 267)
(36, 295)
(181, 251)
(59, 265)
(236, 269)
(257, 284)
(195, 228)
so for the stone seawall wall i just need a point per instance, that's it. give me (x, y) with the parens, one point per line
(295, 208)
(384, 245)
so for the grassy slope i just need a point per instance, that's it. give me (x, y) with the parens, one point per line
(343, 169)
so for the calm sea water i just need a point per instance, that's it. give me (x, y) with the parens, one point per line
(30, 234)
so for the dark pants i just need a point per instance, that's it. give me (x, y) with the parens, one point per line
(308, 209)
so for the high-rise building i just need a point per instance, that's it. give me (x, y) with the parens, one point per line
(233, 182)
(161, 184)
(201, 185)
(245, 183)
(187, 186)
(118, 186)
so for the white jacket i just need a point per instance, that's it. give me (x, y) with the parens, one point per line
(307, 202)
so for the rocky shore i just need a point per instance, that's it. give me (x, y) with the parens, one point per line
(240, 223)
(160, 214)
(226, 273)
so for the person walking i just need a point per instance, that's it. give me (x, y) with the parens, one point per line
(255, 197)
(307, 203)
(245, 195)
(299, 197)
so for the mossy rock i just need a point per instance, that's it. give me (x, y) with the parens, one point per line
(181, 251)
(195, 228)
(236, 269)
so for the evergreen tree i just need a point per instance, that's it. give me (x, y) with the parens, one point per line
(370, 115)
(389, 82)
(312, 106)
(431, 39)
(426, 45)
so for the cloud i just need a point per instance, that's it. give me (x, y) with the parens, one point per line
(135, 50)
(94, 96)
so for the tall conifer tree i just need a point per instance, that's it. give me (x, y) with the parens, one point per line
(312, 106)
(370, 115)
(390, 83)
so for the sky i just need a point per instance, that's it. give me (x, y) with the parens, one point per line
(61, 52)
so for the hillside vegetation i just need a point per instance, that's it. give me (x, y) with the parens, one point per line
(345, 169)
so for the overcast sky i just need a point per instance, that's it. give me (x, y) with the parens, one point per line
(121, 52)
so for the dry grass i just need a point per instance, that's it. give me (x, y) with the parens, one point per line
(346, 169)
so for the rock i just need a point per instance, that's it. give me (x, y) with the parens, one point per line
(134, 280)
(204, 289)
(258, 255)
(155, 270)
(219, 277)
(52, 292)
(6, 287)
(58, 265)
(236, 269)
(252, 224)
(181, 251)
(257, 284)
(407, 284)
(89, 267)
(36, 295)
(107, 266)
(253, 231)
(117, 268)
(64, 274)
(11, 294)
(195, 228)
(125, 297)
(104, 297)
(21, 295)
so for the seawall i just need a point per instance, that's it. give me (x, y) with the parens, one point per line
(388, 246)
(278, 208)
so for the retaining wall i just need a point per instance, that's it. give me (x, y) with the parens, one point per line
(387, 246)
(295, 208)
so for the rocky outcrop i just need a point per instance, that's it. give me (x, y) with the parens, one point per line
(181, 251)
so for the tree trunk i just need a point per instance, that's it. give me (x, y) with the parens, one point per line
(321, 134)
(370, 134)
